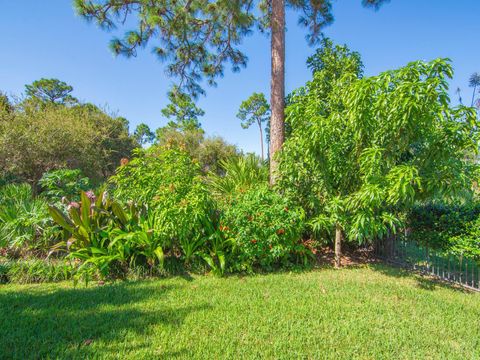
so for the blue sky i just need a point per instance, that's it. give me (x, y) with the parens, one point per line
(46, 39)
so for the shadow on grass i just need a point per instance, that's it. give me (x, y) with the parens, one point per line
(425, 282)
(67, 323)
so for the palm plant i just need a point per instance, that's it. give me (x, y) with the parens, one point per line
(24, 220)
(474, 82)
(240, 174)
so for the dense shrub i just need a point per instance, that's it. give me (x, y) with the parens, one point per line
(34, 140)
(169, 183)
(153, 173)
(468, 243)
(449, 228)
(265, 229)
(208, 151)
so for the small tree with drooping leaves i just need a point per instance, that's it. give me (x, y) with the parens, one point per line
(374, 146)
(255, 110)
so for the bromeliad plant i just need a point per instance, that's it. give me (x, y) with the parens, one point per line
(104, 237)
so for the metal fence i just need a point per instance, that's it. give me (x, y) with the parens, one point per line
(411, 255)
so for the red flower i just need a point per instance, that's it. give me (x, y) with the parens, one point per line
(280, 231)
(253, 241)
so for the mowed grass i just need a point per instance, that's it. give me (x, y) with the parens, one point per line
(371, 312)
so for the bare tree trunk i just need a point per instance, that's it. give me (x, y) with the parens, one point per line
(261, 140)
(338, 246)
(473, 95)
(277, 96)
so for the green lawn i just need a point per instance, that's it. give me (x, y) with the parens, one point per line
(367, 313)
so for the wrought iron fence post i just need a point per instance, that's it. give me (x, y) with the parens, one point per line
(448, 270)
(473, 274)
(461, 267)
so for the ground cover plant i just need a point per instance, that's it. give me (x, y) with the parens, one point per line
(362, 313)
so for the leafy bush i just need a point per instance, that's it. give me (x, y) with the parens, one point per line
(67, 183)
(157, 171)
(24, 220)
(169, 182)
(467, 244)
(362, 150)
(208, 151)
(265, 229)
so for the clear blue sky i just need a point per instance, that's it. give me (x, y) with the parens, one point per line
(44, 38)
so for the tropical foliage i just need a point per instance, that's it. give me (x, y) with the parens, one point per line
(239, 175)
(105, 237)
(365, 158)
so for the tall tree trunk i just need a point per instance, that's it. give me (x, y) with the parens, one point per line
(277, 95)
(473, 95)
(338, 246)
(261, 139)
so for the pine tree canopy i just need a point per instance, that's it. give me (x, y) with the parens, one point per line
(196, 38)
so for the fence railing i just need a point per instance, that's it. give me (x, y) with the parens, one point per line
(411, 255)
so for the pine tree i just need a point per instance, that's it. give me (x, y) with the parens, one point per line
(196, 38)
(51, 91)
(255, 110)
